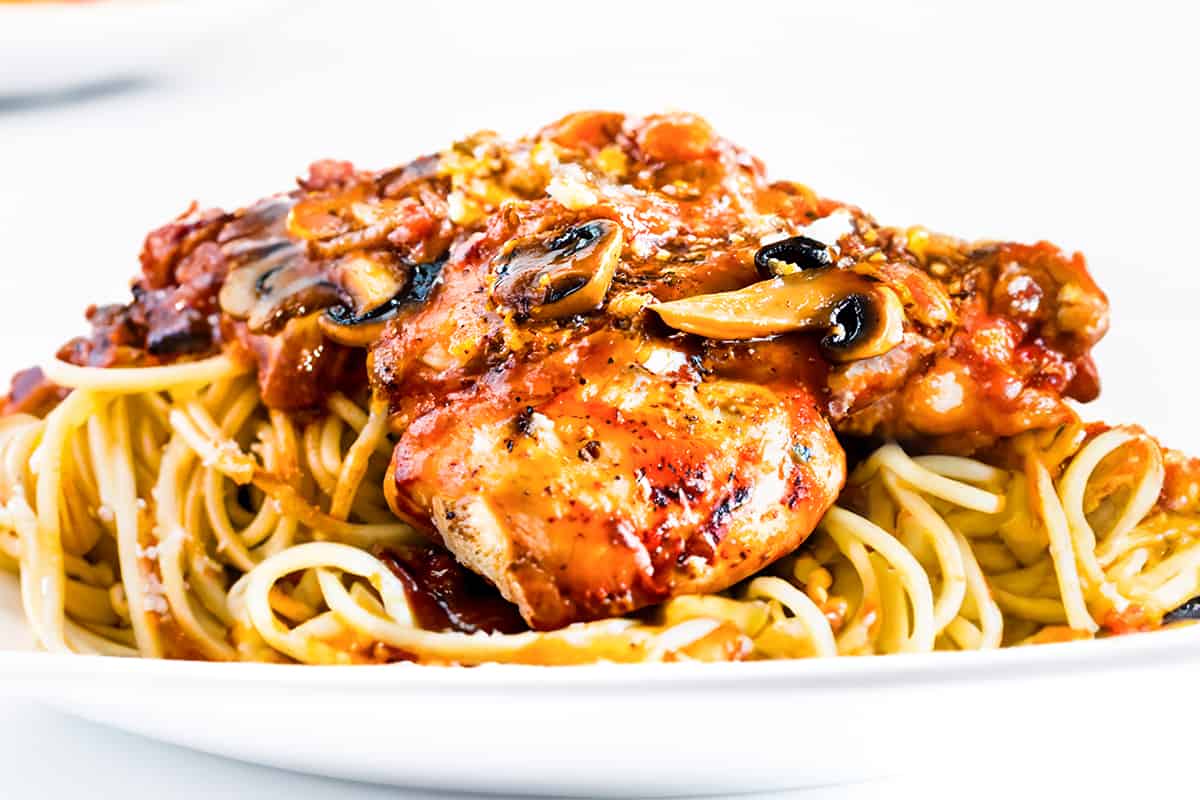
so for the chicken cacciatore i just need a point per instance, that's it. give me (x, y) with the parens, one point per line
(620, 363)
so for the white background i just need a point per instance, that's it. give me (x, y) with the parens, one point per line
(1072, 122)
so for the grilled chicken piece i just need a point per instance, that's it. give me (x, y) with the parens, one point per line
(997, 335)
(555, 435)
(584, 497)
(613, 350)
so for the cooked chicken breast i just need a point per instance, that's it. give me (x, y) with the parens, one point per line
(613, 475)
(997, 335)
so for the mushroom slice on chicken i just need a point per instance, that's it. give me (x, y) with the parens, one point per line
(863, 320)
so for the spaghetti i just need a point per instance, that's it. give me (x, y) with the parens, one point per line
(167, 512)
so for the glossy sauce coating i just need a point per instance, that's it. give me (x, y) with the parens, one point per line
(605, 493)
(446, 597)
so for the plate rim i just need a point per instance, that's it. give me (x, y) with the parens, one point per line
(1158, 648)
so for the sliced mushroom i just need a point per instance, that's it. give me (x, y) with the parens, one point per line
(864, 325)
(862, 317)
(274, 282)
(371, 284)
(369, 279)
(360, 323)
(341, 326)
(560, 274)
(794, 254)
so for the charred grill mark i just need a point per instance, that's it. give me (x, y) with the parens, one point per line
(690, 488)
(800, 488)
(674, 482)
(662, 496)
(649, 582)
(710, 534)
(524, 422)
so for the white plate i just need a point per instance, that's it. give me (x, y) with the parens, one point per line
(645, 729)
(47, 47)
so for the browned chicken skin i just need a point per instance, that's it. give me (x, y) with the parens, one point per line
(609, 492)
(615, 354)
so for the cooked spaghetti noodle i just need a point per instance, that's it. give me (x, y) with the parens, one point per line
(165, 511)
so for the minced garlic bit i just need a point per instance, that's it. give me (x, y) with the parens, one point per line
(829, 229)
(461, 210)
(779, 267)
(918, 240)
(612, 161)
(626, 305)
(663, 361)
(569, 187)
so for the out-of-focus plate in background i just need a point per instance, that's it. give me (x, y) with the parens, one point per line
(58, 46)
